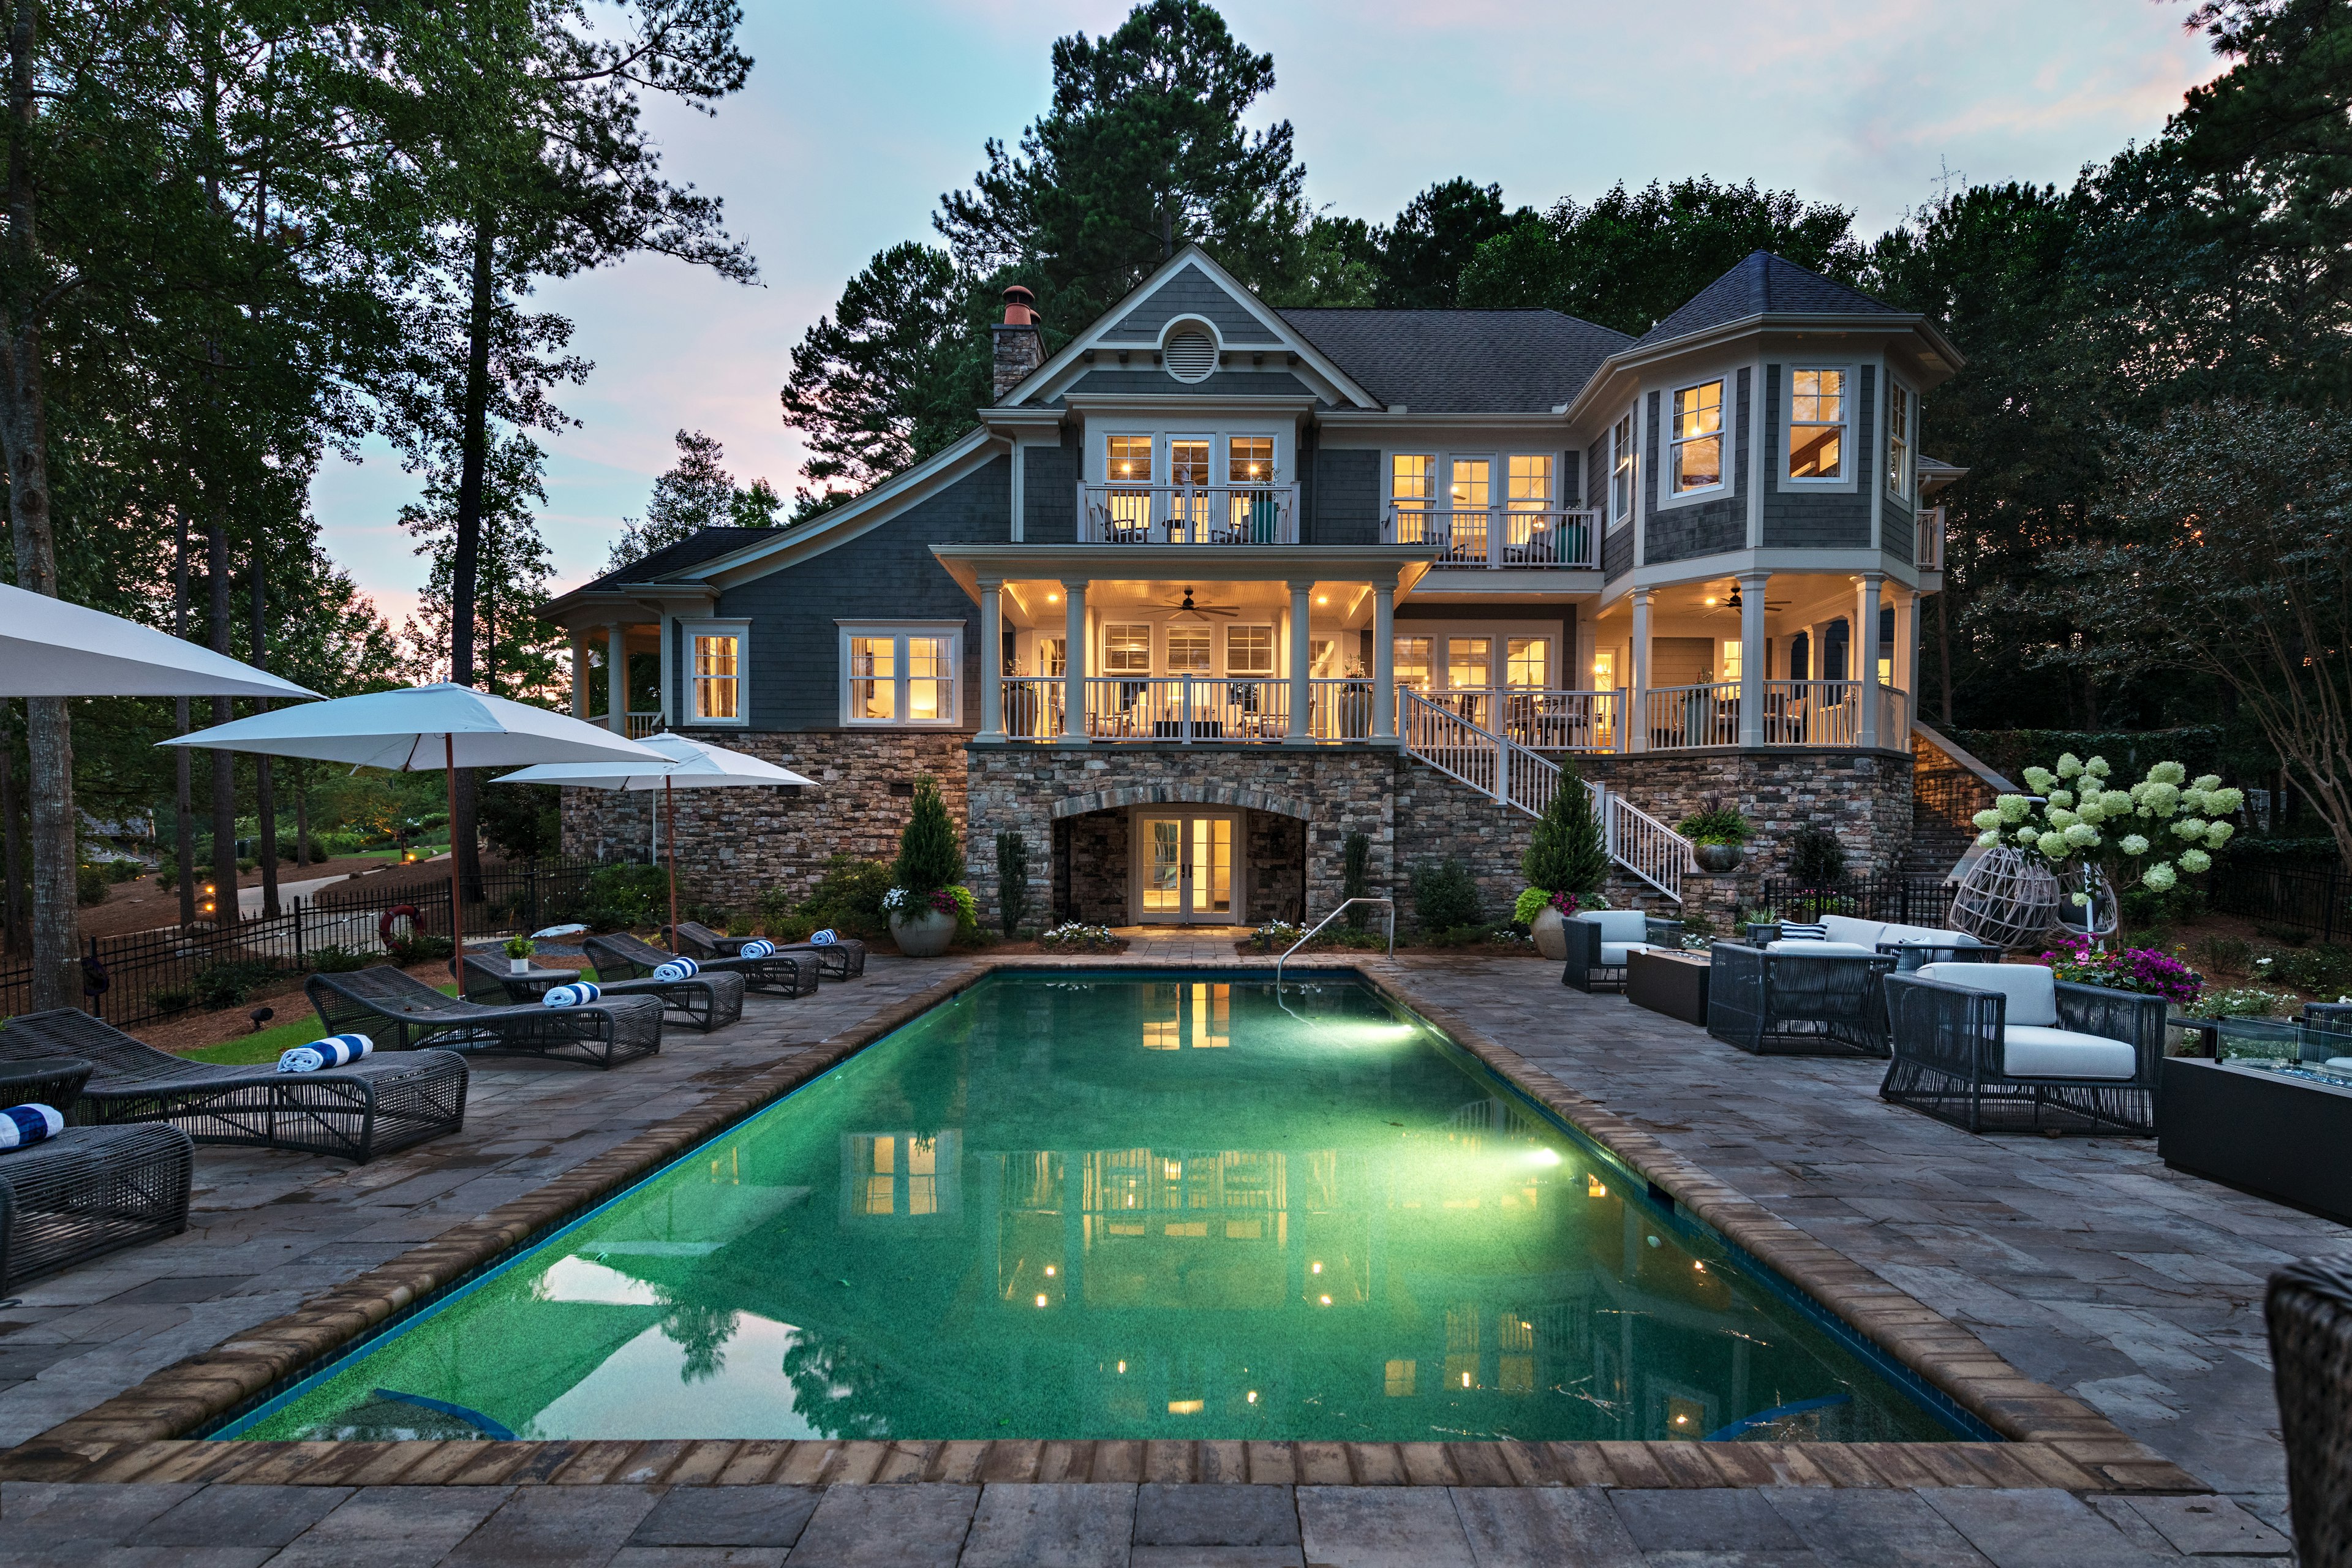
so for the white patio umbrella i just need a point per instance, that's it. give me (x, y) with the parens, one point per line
(687, 764)
(54, 648)
(419, 728)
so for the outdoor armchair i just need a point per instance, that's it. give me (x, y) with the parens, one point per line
(706, 1001)
(2309, 1314)
(779, 974)
(842, 959)
(402, 1012)
(89, 1191)
(372, 1107)
(2009, 1045)
(1798, 997)
(1599, 941)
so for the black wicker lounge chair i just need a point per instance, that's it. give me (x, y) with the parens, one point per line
(1599, 940)
(707, 1000)
(372, 1106)
(403, 1013)
(1798, 1003)
(87, 1190)
(2310, 1317)
(1991, 1050)
(842, 959)
(781, 975)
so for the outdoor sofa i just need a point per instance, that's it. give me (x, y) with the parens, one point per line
(89, 1191)
(372, 1107)
(842, 959)
(402, 1012)
(1994, 1046)
(1599, 940)
(1798, 997)
(779, 974)
(706, 1001)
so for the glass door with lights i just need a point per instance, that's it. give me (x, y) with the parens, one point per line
(1184, 869)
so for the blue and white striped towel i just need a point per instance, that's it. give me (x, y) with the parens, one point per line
(757, 948)
(676, 969)
(1792, 930)
(334, 1051)
(23, 1124)
(579, 994)
(825, 938)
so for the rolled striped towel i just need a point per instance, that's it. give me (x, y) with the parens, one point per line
(579, 994)
(757, 948)
(676, 969)
(23, 1124)
(334, 1051)
(1792, 931)
(825, 938)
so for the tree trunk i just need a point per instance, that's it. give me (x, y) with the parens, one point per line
(1944, 648)
(265, 801)
(12, 848)
(183, 782)
(225, 906)
(301, 814)
(464, 566)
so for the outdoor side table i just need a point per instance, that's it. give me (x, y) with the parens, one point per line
(534, 983)
(54, 1081)
(1673, 983)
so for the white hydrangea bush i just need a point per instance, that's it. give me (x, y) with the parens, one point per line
(2151, 835)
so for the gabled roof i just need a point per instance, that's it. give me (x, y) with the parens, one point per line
(673, 559)
(1462, 362)
(1762, 284)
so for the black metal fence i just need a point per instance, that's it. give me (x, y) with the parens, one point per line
(152, 974)
(2311, 897)
(1950, 795)
(1904, 900)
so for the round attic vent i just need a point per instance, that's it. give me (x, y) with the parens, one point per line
(1190, 356)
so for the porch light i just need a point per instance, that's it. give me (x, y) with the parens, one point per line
(1322, 598)
(1709, 600)
(1053, 598)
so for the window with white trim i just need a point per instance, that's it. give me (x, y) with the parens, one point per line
(1902, 408)
(1818, 413)
(1621, 471)
(715, 688)
(1695, 439)
(901, 675)
(1127, 649)
(1249, 650)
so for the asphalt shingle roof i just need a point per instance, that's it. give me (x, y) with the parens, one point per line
(672, 559)
(1462, 362)
(1762, 284)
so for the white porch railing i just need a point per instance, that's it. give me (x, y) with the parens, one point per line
(1500, 536)
(1644, 846)
(1188, 514)
(1187, 708)
(1541, 718)
(1927, 552)
(643, 724)
(1893, 719)
(1680, 717)
(1812, 712)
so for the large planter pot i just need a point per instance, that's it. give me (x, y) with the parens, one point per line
(1715, 857)
(1550, 934)
(925, 936)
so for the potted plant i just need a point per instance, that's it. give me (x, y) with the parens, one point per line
(519, 954)
(1566, 862)
(927, 894)
(1715, 833)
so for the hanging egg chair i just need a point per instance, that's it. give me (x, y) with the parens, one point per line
(2008, 899)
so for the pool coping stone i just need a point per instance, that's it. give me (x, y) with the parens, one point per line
(2054, 1440)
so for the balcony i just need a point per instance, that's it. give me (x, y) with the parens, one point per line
(1188, 514)
(1499, 537)
(1928, 550)
(1795, 713)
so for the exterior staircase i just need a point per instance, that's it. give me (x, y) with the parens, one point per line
(1948, 787)
(1526, 781)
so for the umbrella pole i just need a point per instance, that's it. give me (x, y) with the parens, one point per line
(456, 911)
(669, 831)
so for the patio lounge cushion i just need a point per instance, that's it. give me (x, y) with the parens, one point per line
(1618, 925)
(1868, 934)
(1613, 954)
(2031, 990)
(2032, 1050)
(1806, 946)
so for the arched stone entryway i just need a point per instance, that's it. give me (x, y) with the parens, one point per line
(1182, 792)
(1097, 861)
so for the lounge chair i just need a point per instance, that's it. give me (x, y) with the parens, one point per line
(87, 1190)
(707, 1000)
(1599, 941)
(2010, 1043)
(372, 1106)
(2309, 1310)
(1798, 997)
(780, 975)
(403, 1013)
(842, 959)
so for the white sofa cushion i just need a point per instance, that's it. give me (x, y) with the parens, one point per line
(2031, 989)
(1805, 945)
(1924, 936)
(2031, 1050)
(1618, 925)
(1847, 928)
(1613, 954)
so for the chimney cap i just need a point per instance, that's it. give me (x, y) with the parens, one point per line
(1020, 307)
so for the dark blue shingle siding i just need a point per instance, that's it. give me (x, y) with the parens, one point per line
(1191, 292)
(1707, 527)
(1346, 489)
(1818, 519)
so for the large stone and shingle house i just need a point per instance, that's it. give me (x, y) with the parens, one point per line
(1217, 585)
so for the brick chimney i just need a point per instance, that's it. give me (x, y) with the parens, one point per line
(1020, 347)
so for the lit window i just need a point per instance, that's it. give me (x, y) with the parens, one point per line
(1731, 662)
(1412, 488)
(1526, 662)
(1469, 662)
(1817, 425)
(1249, 650)
(1188, 650)
(894, 675)
(1127, 651)
(1696, 437)
(715, 688)
(1397, 1378)
(1413, 662)
(1129, 460)
(1621, 472)
(1249, 461)
(1899, 406)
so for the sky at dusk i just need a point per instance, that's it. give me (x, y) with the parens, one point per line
(858, 117)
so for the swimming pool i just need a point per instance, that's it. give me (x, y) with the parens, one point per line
(1125, 1206)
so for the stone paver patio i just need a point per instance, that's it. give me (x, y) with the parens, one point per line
(2083, 1261)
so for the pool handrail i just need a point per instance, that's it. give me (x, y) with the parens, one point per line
(1327, 920)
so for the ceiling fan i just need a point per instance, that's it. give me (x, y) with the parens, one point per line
(1732, 604)
(1200, 612)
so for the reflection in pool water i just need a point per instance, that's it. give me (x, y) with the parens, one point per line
(1123, 1207)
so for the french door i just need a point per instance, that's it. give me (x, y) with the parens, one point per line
(1184, 869)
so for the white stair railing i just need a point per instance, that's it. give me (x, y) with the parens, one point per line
(1515, 776)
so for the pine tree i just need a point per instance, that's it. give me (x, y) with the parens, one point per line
(929, 854)
(695, 493)
(1567, 853)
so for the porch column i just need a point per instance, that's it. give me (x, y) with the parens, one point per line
(1906, 656)
(663, 699)
(616, 678)
(1866, 655)
(1751, 657)
(579, 673)
(1301, 595)
(1637, 723)
(992, 661)
(1384, 697)
(1074, 661)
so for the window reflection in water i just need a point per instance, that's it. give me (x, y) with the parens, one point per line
(1199, 1016)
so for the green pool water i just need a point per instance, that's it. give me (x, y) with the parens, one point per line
(1129, 1206)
